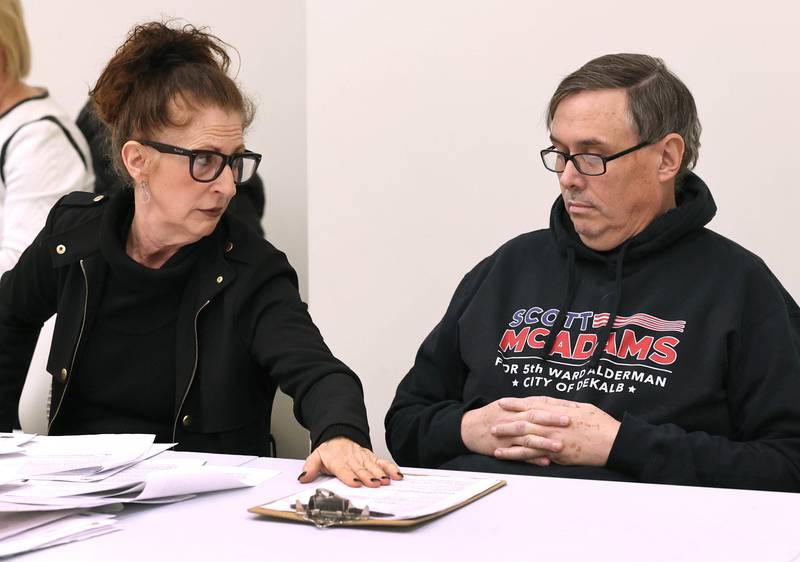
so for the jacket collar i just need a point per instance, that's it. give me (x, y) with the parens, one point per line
(74, 244)
(211, 273)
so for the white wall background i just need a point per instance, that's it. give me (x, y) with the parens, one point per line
(417, 126)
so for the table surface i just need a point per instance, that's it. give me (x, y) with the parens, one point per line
(531, 518)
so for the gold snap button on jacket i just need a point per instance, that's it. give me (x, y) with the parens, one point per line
(61, 249)
(186, 420)
(219, 279)
(62, 376)
(98, 198)
(229, 246)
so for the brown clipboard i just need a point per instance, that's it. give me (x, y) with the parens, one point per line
(373, 522)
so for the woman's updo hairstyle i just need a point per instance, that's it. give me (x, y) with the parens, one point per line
(157, 70)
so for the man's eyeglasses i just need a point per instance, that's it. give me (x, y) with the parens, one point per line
(586, 163)
(206, 165)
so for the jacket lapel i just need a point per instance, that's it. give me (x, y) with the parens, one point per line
(210, 276)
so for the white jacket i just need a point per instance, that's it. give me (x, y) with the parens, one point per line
(43, 156)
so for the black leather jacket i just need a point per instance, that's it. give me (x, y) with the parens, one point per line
(242, 330)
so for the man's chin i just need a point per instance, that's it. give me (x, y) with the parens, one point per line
(600, 243)
(594, 240)
(585, 230)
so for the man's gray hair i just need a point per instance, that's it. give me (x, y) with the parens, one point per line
(658, 102)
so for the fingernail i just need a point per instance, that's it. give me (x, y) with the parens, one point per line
(564, 420)
(302, 474)
(374, 479)
(357, 480)
(493, 430)
(401, 474)
(384, 478)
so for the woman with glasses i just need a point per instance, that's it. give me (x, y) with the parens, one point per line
(174, 318)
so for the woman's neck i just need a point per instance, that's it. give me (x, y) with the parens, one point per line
(13, 93)
(147, 250)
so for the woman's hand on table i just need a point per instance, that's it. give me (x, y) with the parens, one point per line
(349, 462)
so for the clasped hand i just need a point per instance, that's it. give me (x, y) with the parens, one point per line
(541, 430)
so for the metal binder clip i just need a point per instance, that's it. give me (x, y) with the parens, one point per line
(326, 509)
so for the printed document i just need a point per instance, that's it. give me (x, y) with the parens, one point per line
(414, 496)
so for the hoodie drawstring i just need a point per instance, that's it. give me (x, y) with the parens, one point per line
(572, 287)
(602, 335)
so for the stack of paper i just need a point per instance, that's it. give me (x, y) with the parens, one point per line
(21, 532)
(47, 484)
(11, 442)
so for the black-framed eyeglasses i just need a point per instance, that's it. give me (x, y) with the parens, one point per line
(206, 165)
(586, 163)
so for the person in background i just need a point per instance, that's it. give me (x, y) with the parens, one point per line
(174, 317)
(627, 341)
(43, 155)
(248, 203)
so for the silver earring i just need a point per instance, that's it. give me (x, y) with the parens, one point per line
(145, 192)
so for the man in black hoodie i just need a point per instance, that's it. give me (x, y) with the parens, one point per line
(625, 342)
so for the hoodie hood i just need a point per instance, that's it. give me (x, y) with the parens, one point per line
(694, 209)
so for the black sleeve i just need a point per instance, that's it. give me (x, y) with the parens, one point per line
(336, 392)
(763, 389)
(328, 397)
(423, 424)
(27, 300)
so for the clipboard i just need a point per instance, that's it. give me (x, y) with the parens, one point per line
(327, 509)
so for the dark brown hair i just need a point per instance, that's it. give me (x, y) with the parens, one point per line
(658, 102)
(156, 70)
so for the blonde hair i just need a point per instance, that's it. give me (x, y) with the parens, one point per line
(16, 50)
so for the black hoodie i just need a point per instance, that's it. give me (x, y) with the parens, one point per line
(701, 361)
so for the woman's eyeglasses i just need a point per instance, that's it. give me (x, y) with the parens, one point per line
(206, 165)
